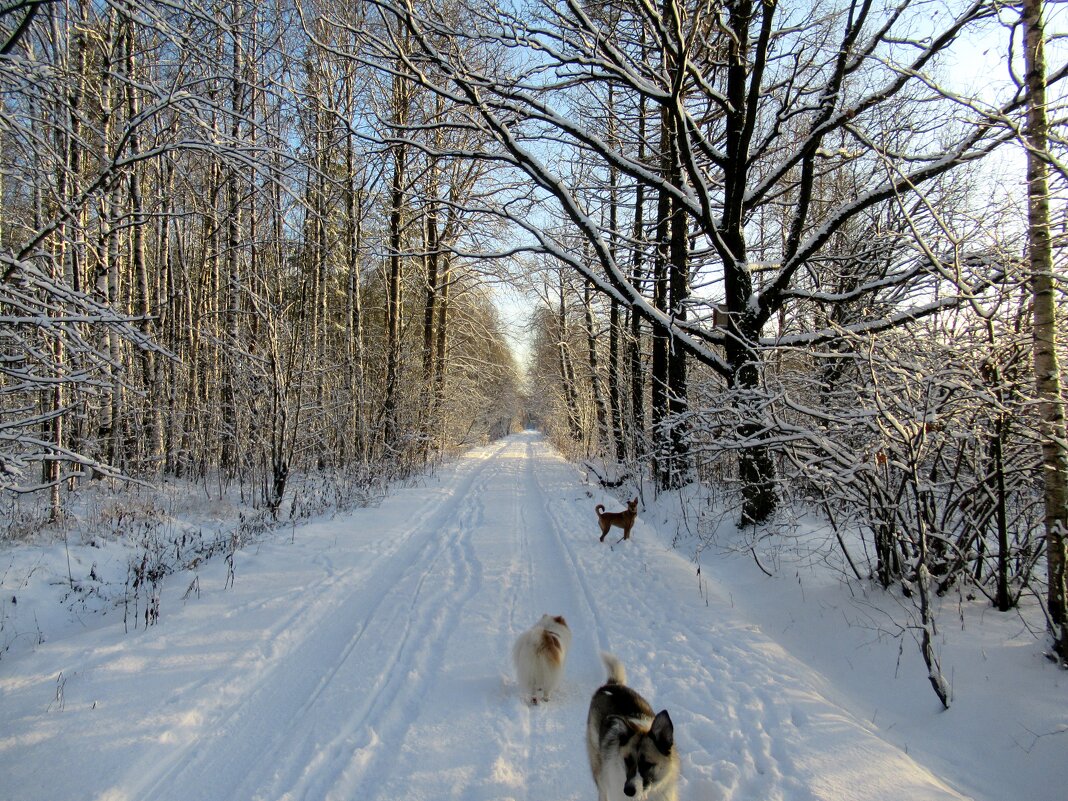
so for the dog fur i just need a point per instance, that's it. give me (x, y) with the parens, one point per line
(624, 520)
(632, 752)
(539, 655)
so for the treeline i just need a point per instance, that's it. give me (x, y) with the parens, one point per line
(779, 251)
(772, 250)
(220, 259)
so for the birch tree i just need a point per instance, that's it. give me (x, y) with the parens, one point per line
(194, 246)
(1046, 340)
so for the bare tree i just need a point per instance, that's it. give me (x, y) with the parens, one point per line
(754, 131)
(194, 251)
(1047, 367)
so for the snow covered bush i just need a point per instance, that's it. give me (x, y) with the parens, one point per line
(929, 446)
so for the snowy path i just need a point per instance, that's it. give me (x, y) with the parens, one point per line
(369, 659)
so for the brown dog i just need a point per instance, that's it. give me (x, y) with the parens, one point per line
(624, 520)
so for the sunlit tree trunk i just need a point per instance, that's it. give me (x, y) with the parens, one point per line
(431, 260)
(603, 438)
(399, 112)
(393, 294)
(567, 374)
(1044, 291)
(151, 448)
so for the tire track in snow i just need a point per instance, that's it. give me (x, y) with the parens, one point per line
(285, 632)
(511, 719)
(541, 742)
(550, 512)
(430, 757)
(286, 680)
(408, 614)
(434, 612)
(527, 733)
(670, 671)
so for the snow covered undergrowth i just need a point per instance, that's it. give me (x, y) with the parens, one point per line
(368, 657)
(1006, 732)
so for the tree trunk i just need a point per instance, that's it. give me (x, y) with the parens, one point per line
(615, 404)
(108, 283)
(232, 194)
(1003, 598)
(756, 469)
(390, 412)
(1043, 284)
(634, 343)
(393, 296)
(679, 473)
(659, 368)
(152, 446)
(603, 437)
(615, 397)
(671, 291)
(354, 244)
(441, 346)
(432, 258)
(567, 379)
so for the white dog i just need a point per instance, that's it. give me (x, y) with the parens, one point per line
(539, 656)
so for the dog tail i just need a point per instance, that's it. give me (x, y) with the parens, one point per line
(551, 648)
(617, 674)
(599, 508)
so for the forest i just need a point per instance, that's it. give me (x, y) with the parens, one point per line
(807, 256)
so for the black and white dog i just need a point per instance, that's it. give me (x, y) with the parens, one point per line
(632, 752)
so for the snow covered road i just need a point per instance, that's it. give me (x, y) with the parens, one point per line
(368, 657)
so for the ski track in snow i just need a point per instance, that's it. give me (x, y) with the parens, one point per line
(370, 659)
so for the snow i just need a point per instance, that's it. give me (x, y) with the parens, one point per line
(368, 656)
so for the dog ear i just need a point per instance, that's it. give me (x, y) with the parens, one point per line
(662, 732)
(615, 728)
